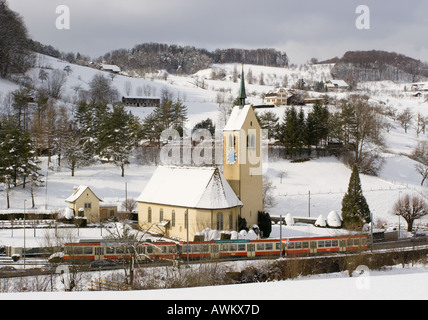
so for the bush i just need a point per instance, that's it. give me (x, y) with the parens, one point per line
(265, 224)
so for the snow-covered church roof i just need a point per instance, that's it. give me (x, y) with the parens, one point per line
(190, 187)
(237, 118)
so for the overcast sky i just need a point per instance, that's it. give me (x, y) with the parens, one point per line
(302, 28)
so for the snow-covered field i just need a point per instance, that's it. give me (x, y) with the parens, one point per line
(396, 283)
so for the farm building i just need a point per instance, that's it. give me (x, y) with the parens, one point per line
(140, 101)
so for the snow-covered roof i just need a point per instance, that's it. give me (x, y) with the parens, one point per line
(111, 67)
(190, 187)
(237, 118)
(76, 195)
(337, 83)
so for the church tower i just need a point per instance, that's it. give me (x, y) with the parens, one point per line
(242, 157)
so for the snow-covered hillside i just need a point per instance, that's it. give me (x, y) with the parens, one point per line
(325, 178)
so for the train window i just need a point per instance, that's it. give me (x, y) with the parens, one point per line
(305, 245)
(196, 249)
(260, 246)
(140, 249)
(291, 245)
(119, 250)
(328, 244)
(233, 247)
(186, 249)
(204, 248)
(335, 243)
(241, 247)
(224, 247)
(68, 250)
(172, 249)
(149, 249)
(321, 244)
(214, 249)
(364, 241)
(313, 245)
(350, 243)
(356, 242)
(78, 250)
(88, 250)
(278, 246)
(298, 245)
(269, 246)
(109, 250)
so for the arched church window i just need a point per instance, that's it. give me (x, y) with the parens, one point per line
(220, 225)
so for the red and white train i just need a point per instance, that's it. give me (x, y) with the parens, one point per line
(225, 249)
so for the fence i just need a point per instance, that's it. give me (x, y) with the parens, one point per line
(104, 285)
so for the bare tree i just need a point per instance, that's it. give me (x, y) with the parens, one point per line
(128, 88)
(55, 83)
(405, 119)
(411, 208)
(420, 154)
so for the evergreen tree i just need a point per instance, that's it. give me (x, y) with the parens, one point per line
(290, 131)
(269, 121)
(119, 136)
(355, 210)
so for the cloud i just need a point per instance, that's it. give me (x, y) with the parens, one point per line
(309, 28)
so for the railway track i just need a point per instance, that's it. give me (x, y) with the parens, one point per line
(36, 268)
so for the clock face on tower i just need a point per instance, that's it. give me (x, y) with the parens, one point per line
(231, 156)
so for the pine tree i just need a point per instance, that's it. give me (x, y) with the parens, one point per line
(119, 136)
(355, 210)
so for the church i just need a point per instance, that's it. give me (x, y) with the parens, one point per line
(182, 201)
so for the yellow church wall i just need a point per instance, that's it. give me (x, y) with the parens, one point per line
(199, 219)
(245, 175)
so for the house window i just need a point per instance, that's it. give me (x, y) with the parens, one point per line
(88, 205)
(220, 225)
(149, 215)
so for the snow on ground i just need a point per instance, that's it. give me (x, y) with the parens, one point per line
(395, 283)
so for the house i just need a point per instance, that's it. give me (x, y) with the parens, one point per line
(336, 85)
(141, 101)
(85, 203)
(279, 96)
(183, 201)
(110, 68)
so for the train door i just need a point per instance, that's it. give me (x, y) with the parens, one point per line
(342, 245)
(215, 251)
(313, 247)
(251, 250)
(99, 253)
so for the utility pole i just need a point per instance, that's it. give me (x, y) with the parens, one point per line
(309, 206)
(187, 227)
(24, 234)
(280, 235)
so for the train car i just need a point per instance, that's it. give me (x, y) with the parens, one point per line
(114, 250)
(323, 245)
(230, 249)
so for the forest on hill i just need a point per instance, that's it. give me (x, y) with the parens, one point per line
(150, 57)
(374, 65)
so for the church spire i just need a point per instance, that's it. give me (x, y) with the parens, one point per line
(242, 93)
